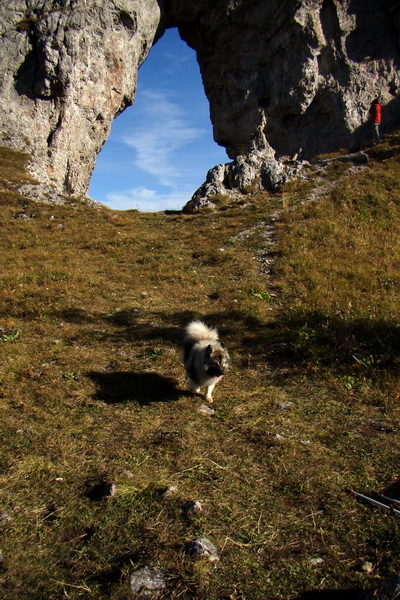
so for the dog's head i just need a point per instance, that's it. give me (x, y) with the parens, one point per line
(217, 360)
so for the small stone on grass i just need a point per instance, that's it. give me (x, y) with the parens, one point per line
(168, 491)
(202, 547)
(206, 410)
(367, 567)
(148, 581)
(193, 506)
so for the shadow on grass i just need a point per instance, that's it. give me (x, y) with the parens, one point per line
(137, 325)
(77, 315)
(369, 345)
(143, 388)
(393, 491)
(156, 326)
(335, 342)
(140, 325)
(108, 577)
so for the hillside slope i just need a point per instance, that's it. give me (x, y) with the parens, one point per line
(93, 302)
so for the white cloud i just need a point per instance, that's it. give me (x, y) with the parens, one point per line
(147, 200)
(161, 139)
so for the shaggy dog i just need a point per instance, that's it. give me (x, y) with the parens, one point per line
(204, 357)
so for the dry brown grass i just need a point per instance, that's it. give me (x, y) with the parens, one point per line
(92, 306)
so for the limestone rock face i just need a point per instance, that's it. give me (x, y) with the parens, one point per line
(285, 79)
(67, 68)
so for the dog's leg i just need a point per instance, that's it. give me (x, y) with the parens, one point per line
(209, 390)
(193, 387)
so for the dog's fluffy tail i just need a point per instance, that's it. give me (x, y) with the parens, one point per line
(197, 330)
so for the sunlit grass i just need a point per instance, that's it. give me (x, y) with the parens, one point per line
(92, 307)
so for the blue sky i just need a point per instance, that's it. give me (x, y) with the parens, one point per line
(160, 149)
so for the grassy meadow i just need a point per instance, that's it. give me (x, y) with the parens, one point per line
(92, 307)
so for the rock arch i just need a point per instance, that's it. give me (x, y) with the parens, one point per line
(283, 78)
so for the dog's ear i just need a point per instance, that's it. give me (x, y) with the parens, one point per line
(208, 350)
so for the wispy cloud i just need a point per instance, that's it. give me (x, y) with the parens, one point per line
(147, 200)
(175, 63)
(164, 134)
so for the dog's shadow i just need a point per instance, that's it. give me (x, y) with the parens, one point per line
(143, 388)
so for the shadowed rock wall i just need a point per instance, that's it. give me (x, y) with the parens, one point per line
(284, 78)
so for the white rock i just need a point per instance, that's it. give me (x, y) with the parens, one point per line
(206, 410)
(148, 581)
(367, 567)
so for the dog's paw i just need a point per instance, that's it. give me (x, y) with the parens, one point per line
(193, 387)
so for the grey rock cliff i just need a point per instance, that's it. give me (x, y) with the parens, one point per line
(67, 68)
(284, 78)
(287, 78)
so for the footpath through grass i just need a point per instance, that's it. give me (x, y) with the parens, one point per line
(92, 307)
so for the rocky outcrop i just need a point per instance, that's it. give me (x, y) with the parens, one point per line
(292, 79)
(248, 173)
(67, 68)
(285, 79)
